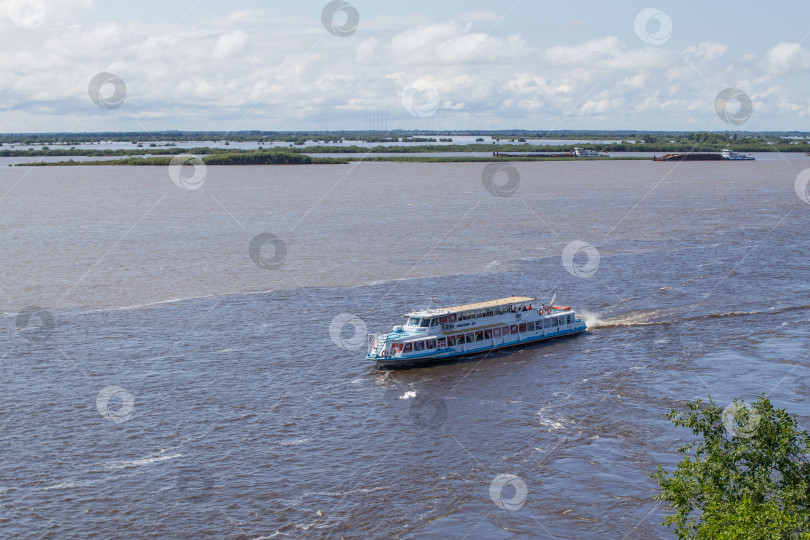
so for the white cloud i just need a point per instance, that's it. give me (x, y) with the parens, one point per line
(453, 43)
(43, 15)
(365, 50)
(602, 106)
(785, 58)
(635, 81)
(230, 44)
(590, 52)
(606, 53)
(232, 73)
(242, 16)
(708, 50)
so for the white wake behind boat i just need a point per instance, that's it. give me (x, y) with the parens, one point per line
(432, 335)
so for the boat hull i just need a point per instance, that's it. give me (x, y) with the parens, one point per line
(453, 353)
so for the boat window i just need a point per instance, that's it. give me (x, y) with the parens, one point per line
(419, 345)
(569, 319)
(434, 322)
(442, 343)
(522, 327)
(451, 341)
(407, 348)
(424, 323)
(396, 347)
(479, 336)
(505, 331)
(496, 332)
(443, 319)
(413, 321)
(470, 337)
(487, 334)
(431, 344)
(490, 313)
(514, 329)
(452, 317)
(555, 321)
(530, 326)
(546, 323)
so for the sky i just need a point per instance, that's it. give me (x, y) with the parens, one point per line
(278, 65)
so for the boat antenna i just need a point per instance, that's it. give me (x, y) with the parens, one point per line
(430, 303)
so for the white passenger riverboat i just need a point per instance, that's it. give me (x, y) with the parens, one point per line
(432, 335)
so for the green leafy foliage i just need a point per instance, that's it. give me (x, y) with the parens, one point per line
(749, 476)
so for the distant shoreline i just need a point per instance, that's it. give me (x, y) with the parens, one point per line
(166, 161)
(162, 154)
(314, 148)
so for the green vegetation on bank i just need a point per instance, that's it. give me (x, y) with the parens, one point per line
(260, 157)
(749, 476)
(288, 158)
(162, 151)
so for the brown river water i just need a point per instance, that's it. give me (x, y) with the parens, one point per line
(172, 365)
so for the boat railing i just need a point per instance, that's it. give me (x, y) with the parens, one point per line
(376, 343)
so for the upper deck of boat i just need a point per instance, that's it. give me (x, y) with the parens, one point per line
(468, 307)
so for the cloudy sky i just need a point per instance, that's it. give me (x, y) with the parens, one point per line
(305, 65)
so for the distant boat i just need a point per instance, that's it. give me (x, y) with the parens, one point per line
(731, 155)
(689, 157)
(725, 155)
(583, 152)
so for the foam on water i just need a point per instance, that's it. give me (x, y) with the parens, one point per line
(294, 442)
(123, 464)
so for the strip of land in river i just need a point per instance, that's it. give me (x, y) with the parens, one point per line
(334, 148)
(287, 158)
